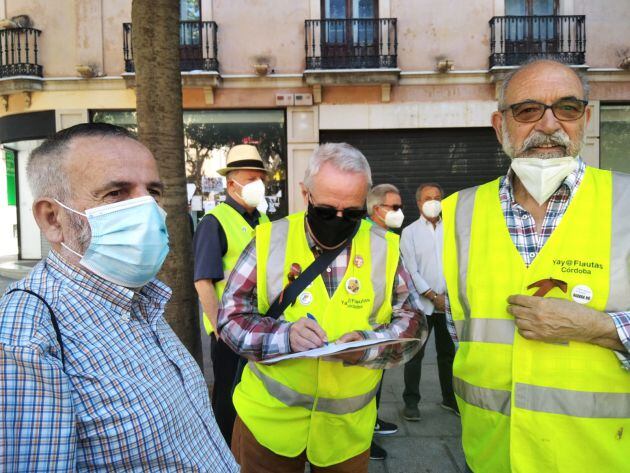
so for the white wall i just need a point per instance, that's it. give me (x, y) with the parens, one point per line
(8, 215)
(30, 236)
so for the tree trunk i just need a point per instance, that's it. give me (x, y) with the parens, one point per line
(155, 39)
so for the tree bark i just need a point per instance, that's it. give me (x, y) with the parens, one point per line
(155, 40)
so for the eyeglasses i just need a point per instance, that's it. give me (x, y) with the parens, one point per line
(531, 111)
(328, 212)
(394, 207)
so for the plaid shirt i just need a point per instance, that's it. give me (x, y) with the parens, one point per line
(529, 242)
(130, 397)
(250, 334)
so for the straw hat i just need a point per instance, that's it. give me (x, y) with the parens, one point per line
(243, 157)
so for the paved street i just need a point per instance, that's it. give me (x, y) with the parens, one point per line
(432, 445)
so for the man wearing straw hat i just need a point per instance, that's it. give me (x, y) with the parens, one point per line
(220, 238)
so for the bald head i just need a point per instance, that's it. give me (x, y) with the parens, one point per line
(541, 71)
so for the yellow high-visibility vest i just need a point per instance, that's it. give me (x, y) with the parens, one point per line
(238, 234)
(530, 406)
(323, 407)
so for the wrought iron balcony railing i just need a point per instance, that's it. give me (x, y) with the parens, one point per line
(516, 39)
(197, 45)
(355, 43)
(19, 52)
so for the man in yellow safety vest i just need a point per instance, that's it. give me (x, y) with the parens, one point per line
(537, 266)
(320, 410)
(220, 238)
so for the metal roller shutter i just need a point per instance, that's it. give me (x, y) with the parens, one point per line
(455, 158)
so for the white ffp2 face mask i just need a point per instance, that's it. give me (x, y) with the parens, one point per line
(542, 177)
(253, 193)
(394, 219)
(432, 208)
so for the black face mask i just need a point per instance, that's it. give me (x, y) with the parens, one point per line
(329, 229)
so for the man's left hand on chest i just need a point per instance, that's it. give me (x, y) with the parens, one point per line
(557, 320)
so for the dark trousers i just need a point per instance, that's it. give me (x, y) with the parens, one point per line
(445, 354)
(224, 366)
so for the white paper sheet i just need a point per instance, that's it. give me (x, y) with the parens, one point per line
(338, 347)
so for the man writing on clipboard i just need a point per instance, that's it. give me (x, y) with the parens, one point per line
(316, 410)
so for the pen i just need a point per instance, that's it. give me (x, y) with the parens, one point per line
(312, 317)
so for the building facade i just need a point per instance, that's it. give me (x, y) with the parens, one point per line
(412, 84)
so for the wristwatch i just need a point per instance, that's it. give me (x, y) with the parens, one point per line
(426, 294)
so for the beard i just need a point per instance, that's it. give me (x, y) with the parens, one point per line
(80, 233)
(538, 139)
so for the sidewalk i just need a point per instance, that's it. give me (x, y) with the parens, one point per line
(432, 445)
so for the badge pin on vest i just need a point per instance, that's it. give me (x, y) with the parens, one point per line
(306, 298)
(582, 294)
(358, 261)
(294, 271)
(353, 285)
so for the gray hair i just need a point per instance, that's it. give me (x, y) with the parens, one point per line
(508, 78)
(46, 171)
(377, 195)
(424, 185)
(342, 156)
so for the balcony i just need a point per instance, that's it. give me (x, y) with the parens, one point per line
(517, 39)
(19, 51)
(351, 51)
(20, 70)
(351, 43)
(197, 45)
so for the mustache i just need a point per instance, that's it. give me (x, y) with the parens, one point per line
(537, 139)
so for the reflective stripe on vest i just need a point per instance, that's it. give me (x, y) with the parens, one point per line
(463, 222)
(572, 403)
(496, 400)
(619, 297)
(279, 232)
(293, 398)
(545, 399)
(486, 330)
(378, 249)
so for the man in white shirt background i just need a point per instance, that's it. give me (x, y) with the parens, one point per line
(421, 248)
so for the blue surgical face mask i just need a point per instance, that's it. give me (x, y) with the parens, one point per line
(129, 241)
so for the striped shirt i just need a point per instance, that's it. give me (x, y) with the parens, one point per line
(258, 338)
(529, 242)
(129, 397)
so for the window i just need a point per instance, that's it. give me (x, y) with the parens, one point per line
(531, 7)
(352, 31)
(189, 10)
(533, 35)
(614, 135)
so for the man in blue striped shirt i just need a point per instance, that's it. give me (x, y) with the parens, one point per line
(91, 375)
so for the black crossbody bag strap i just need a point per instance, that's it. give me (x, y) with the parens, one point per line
(53, 319)
(293, 289)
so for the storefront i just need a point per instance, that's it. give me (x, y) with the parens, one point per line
(208, 135)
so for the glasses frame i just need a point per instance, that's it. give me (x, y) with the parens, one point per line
(394, 207)
(545, 107)
(328, 212)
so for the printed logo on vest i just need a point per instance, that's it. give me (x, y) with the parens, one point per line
(582, 294)
(306, 298)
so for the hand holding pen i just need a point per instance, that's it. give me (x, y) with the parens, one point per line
(306, 334)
